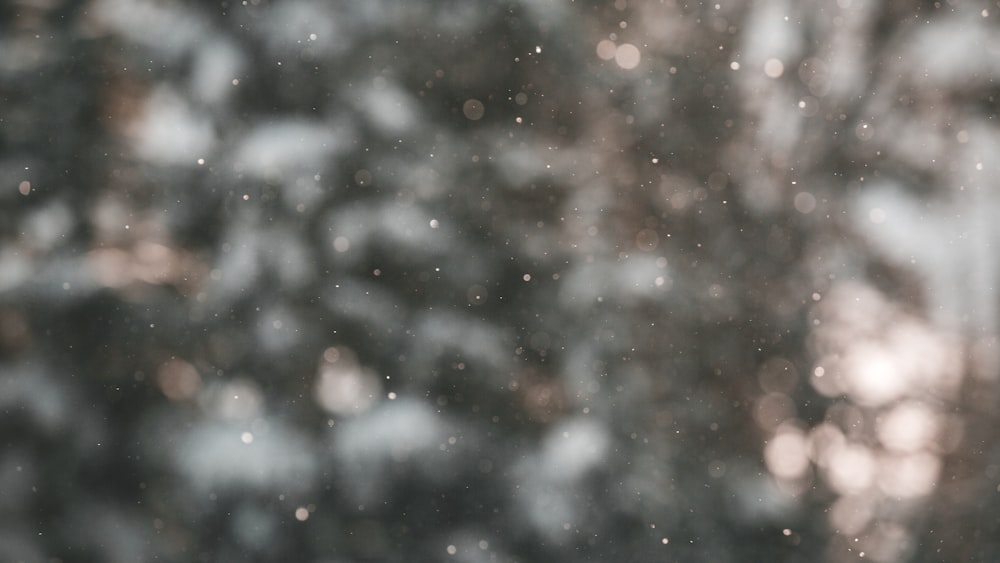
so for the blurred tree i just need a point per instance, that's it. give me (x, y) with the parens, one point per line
(517, 281)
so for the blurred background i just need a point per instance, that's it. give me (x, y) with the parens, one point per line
(499, 281)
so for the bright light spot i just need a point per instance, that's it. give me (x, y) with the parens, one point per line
(979, 166)
(786, 532)
(822, 440)
(851, 468)
(606, 49)
(312, 36)
(805, 202)
(774, 68)
(391, 395)
(786, 454)
(526, 277)
(909, 427)
(664, 541)
(201, 161)
(236, 82)
(435, 224)
(452, 550)
(734, 65)
(473, 109)
(864, 131)
(873, 375)
(246, 437)
(627, 56)
(301, 514)
(246, 197)
(341, 244)
(477, 295)
(538, 49)
(24, 187)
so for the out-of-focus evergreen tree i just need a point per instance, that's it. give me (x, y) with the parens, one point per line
(497, 281)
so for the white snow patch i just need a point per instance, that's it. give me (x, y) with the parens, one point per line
(216, 65)
(373, 447)
(213, 456)
(170, 131)
(273, 149)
